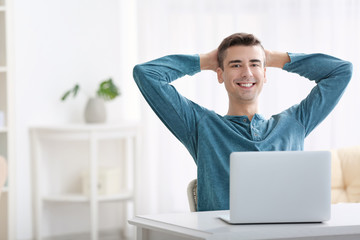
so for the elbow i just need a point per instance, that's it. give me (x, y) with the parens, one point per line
(137, 72)
(343, 73)
(347, 70)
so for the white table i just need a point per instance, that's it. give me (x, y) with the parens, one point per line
(344, 224)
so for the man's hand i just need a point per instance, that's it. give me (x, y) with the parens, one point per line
(276, 59)
(208, 61)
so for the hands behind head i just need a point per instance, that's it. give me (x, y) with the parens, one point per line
(209, 61)
(276, 59)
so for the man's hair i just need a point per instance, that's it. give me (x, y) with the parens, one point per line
(236, 39)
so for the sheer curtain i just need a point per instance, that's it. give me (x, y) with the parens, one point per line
(190, 27)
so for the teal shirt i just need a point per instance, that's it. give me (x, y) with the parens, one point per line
(210, 138)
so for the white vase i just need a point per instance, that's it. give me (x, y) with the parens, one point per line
(95, 111)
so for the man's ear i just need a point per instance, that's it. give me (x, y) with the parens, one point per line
(219, 72)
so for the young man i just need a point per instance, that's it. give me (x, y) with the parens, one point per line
(239, 62)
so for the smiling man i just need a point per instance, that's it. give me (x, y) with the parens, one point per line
(240, 64)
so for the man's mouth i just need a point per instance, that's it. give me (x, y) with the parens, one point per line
(245, 85)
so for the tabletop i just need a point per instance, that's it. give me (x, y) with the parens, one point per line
(345, 220)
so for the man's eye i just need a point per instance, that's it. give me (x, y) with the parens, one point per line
(236, 66)
(255, 65)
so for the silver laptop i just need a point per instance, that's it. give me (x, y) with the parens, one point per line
(279, 187)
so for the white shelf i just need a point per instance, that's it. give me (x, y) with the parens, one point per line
(52, 146)
(79, 198)
(76, 132)
(7, 131)
(85, 127)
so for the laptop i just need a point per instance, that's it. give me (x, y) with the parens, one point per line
(279, 187)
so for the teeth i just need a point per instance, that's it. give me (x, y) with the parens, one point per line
(246, 84)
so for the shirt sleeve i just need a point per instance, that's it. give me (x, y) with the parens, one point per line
(178, 113)
(331, 76)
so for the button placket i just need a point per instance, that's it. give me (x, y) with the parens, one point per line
(254, 132)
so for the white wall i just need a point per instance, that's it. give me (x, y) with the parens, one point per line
(58, 44)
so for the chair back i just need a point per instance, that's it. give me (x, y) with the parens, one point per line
(192, 195)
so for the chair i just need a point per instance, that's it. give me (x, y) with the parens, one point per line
(345, 177)
(3, 173)
(192, 195)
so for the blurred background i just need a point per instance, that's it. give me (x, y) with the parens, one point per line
(59, 43)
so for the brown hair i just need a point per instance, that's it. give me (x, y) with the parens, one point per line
(236, 39)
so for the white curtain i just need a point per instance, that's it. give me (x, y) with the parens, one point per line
(190, 27)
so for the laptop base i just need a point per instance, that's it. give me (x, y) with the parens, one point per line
(226, 218)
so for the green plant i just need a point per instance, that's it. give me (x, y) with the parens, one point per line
(107, 91)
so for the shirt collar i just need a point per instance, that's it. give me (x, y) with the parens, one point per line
(241, 117)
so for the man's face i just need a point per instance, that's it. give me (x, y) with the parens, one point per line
(244, 73)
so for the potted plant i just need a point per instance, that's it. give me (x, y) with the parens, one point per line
(95, 108)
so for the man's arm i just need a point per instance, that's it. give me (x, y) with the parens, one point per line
(331, 76)
(179, 114)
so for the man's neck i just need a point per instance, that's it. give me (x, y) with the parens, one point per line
(248, 110)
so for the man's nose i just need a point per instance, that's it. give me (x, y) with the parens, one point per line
(247, 72)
